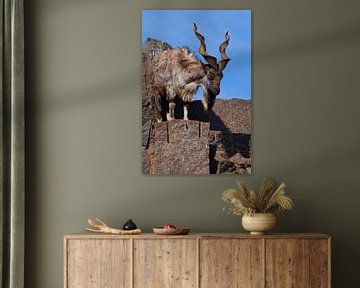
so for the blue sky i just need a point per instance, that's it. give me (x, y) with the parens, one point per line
(176, 28)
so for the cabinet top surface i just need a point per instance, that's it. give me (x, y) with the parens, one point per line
(87, 235)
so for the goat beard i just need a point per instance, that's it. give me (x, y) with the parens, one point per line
(208, 100)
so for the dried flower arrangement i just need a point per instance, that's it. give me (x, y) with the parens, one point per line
(246, 202)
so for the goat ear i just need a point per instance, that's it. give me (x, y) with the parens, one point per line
(211, 60)
(223, 63)
(205, 67)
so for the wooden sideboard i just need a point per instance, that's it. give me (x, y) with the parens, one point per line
(197, 260)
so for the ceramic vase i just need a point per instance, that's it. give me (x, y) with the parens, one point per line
(259, 223)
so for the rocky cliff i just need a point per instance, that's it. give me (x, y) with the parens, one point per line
(215, 142)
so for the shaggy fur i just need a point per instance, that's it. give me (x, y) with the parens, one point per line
(178, 73)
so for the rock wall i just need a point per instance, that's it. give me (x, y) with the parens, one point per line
(215, 142)
(179, 147)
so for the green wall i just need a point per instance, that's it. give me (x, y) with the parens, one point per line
(83, 126)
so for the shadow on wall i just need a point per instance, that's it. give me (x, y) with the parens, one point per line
(319, 41)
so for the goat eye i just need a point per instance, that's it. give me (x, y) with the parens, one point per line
(210, 76)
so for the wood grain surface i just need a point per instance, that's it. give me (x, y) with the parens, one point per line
(231, 263)
(98, 263)
(89, 235)
(319, 263)
(197, 260)
(287, 263)
(165, 263)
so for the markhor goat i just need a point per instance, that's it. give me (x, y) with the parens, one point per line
(177, 72)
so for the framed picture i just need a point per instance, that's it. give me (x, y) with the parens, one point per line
(196, 91)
